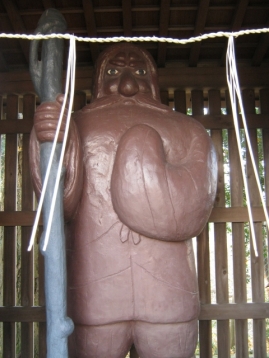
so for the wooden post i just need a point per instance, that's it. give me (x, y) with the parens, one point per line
(221, 266)
(9, 335)
(164, 97)
(264, 103)
(203, 257)
(80, 100)
(27, 289)
(238, 236)
(257, 265)
(180, 101)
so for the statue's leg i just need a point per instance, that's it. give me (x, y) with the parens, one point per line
(111, 340)
(154, 340)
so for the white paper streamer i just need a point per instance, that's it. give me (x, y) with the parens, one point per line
(235, 93)
(70, 74)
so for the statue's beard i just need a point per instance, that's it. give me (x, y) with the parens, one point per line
(138, 99)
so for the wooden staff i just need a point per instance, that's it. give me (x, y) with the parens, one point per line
(47, 78)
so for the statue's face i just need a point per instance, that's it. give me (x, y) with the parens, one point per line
(126, 74)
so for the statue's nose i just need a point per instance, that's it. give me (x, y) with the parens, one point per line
(128, 86)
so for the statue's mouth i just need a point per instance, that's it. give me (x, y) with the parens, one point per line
(128, 101)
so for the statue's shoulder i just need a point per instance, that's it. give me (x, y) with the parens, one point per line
(189, 121)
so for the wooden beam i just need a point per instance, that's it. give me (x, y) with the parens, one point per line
(208, 312)
(91, 26)
(199, 29)
(219, 215)
(234, 214)
(17, 218)
(163, 31)
(239, 14)
(3, 64)
(22, 314)
(48, 4)
(234, 311)
(226, 121)
(17, 24)
(261, 48)
(211, 77)
(176, 77)
(21, 126)
(127, 17)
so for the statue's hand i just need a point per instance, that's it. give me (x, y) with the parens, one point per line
(139, 184)
(46, 120)
(156, 198)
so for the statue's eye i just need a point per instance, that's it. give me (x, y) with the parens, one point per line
(141, 72)
(112, 71)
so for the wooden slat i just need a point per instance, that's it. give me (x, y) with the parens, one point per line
(226, 121)
(175, 77)
(42, 325)
(163, 31)
(235, 311)
(48, 4)
(27, 258)
(17, 218)
(221, 264)
(3, 64)
(91, 27)
(9, 277)
(180, 101)
(238, 236)
(127, 17)
(236, 214)
(199, 29)
(203, 268)
(211, 77)
(203, 258)
(17, 24)
(23, 314)
(20, 126)
(264, 103)
(239, 14)
(164, 97)
(261, 49)
(79, 101)
(218, 215)
(208, 312)
(257, 263)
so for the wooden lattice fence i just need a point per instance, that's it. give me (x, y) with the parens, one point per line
(232, 281)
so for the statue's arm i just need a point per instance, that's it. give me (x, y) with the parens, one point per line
(158, 199)
(45, 122)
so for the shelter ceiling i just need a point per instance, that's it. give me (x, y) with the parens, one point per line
(170, 18)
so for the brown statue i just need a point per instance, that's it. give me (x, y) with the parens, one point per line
(140, 183)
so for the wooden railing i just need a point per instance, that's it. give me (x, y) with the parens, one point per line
(21, 275)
